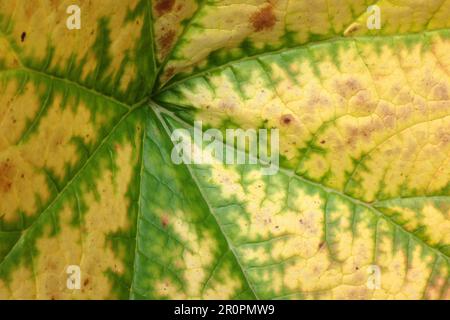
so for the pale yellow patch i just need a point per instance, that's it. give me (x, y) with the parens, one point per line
(399, 16)
(21, 286)
(44, 25)
(17, 109)
(8, 57)
(196, 260)
(51, 146)
(226, 24)
(21, 186)
(433, 219)
(388, 110)
(84, 245)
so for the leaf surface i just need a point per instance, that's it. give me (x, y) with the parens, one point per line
(87, 178)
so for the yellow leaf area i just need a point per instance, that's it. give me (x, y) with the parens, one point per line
(88, 225)
(223, 31)
(103, 54)
(365, 146)
(359, 208)
(70, 144)
(47, 131)
(298, 240)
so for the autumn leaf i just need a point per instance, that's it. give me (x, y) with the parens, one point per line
(359, 207)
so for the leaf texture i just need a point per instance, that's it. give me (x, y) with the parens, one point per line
(87, 178)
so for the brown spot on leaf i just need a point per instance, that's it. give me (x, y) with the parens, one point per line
(441, 92)
(170, 72)
(286, 119)
(352, 29)
(364, 102)
(23, 36)
(6, 176)
(264, 19)
(348, 88)
(166, 41)
(165, 221)
(164, 6)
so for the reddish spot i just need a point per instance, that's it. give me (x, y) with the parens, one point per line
(444, 137)
(441, 92)
(166, 41)
(170, 72)
(264, 19)
(164, 6)
(164, 221)
(348, 88)
(6, 176)
(286, 119)
(352, 136)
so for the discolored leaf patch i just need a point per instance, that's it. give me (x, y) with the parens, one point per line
(264, 19)
(87, 124)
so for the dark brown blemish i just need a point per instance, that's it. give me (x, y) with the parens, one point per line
(321, 244)
(164, 6)
(86, 282)
(164, 221)
(322, 142)
(6, 176)
(170, 72)
(23, 36)
(264, 19)
(166, 41)
(286, 119)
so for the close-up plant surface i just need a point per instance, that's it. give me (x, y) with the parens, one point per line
(87, 176)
